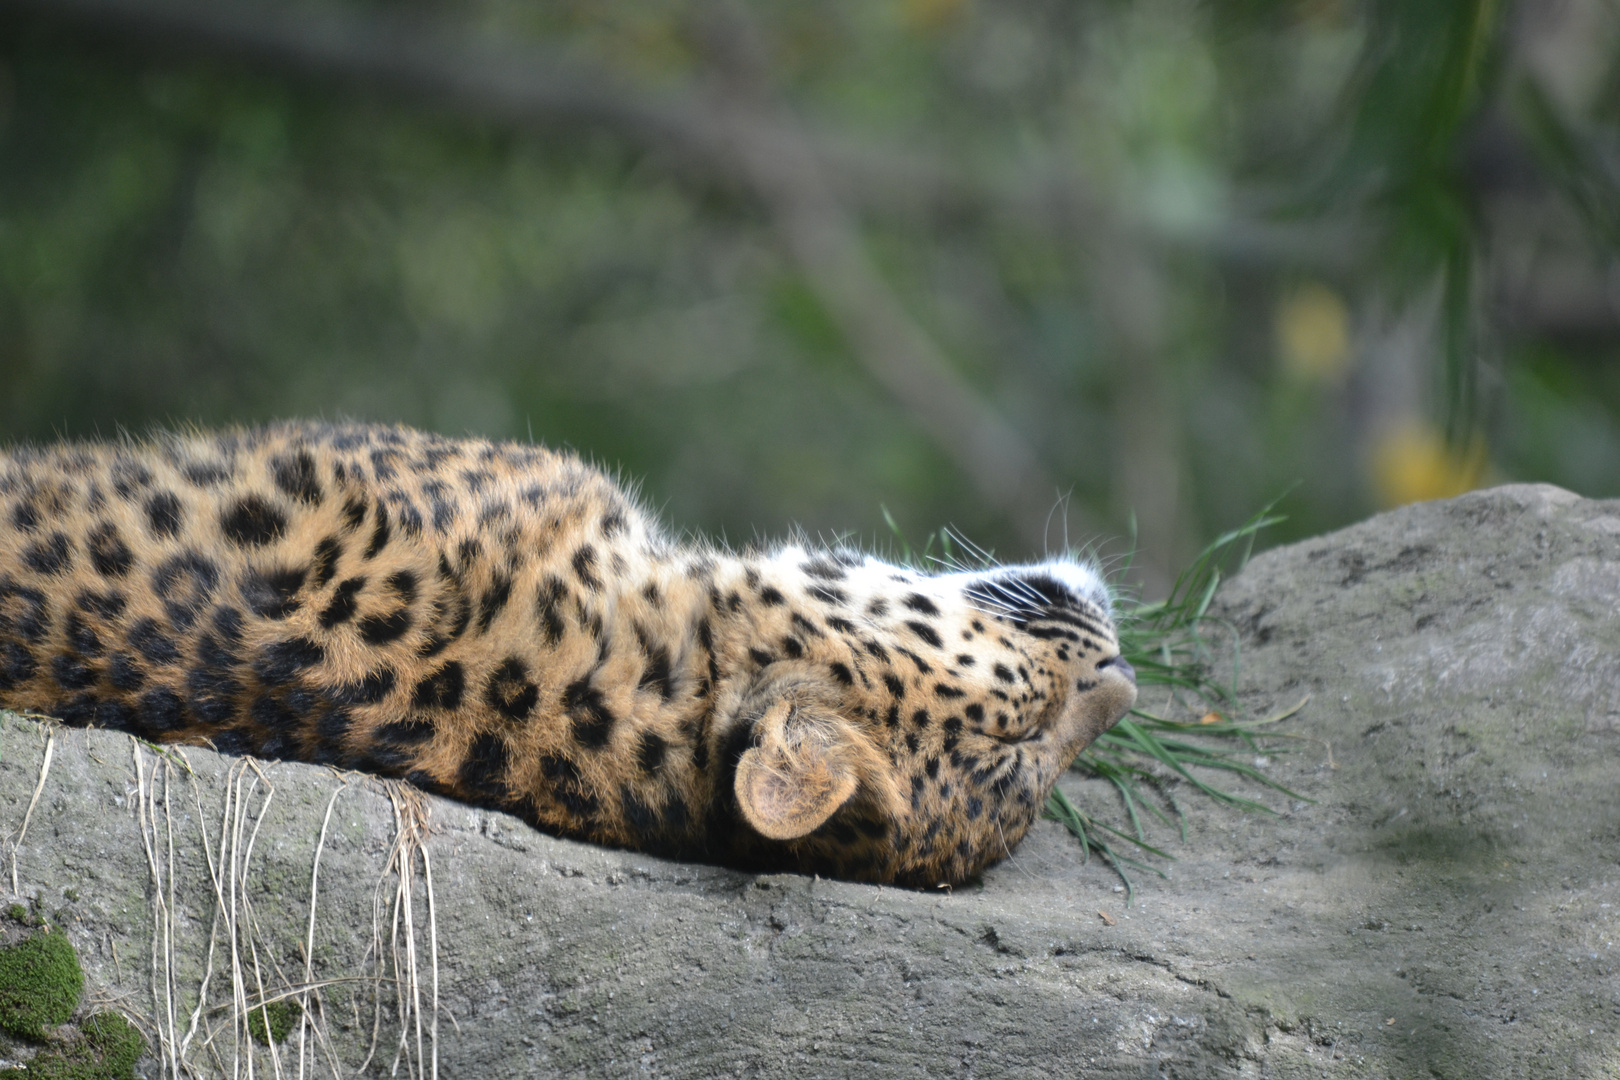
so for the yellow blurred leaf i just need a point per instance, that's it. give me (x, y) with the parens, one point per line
(1412, 463)
(1313, 334)
(1212, 718)
(931, 15)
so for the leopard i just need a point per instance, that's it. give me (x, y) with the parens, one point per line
(505, 625)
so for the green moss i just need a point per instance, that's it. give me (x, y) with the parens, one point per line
(107, 1049)
(40, 984)
(117, 1041)
(272, 1022)
(18, 913)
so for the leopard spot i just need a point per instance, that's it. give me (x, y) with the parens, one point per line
(81, 636)
(25, 515)
(160, 709)
(327, 553)
(483, 768)
(552, 597)
(567, 786)
(827, 594)
(272, 594)
(584, 563)
(163, 515)
(651, 749)
(825, 569)
(108, 553)
(282, 661)
(204, 474)
(369, 690)
(124, 673)
(50, 556)
(592, 721)
(382, 629)
(509, 691)
(108, 605)
(271, 712)
(343, 605)
(657, 675)
(354, 512)
(297, 477)
(212, 693)
(251, 522)
(921, 604)
(926, 632)
(148, 638)
(493, 601)
(442, 689)
(411, 731)
(641, 818)
(381, 532)
(17, 664)
(185, 583)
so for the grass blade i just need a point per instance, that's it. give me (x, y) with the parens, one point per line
(1165, 641)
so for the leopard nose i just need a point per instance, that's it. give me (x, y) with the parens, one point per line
(1121, 665)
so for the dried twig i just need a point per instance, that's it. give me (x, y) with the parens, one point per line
(162, 871)
(44, 771)
(309, 935)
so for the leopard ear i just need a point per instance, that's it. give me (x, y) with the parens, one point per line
(788, 792)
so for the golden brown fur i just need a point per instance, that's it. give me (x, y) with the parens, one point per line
(501, 624)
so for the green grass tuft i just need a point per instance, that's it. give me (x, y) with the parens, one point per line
(1146, 754)
(40, 984)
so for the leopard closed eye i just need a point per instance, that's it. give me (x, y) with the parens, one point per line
(499, 623)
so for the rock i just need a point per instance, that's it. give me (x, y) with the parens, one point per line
(1445, 907)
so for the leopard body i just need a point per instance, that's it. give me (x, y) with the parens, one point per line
(500, 623)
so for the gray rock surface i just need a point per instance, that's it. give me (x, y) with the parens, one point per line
(1446, 907)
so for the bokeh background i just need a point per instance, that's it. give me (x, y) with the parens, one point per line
(1049, 271)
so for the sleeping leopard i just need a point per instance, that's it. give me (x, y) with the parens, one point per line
(501, 624)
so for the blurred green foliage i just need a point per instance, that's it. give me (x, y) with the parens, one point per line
(1189, 253)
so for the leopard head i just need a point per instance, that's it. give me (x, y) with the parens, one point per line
(902, 726)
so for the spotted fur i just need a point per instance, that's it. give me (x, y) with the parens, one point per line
(501, 624)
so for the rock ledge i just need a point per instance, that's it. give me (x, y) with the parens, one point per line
(1445, 908)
